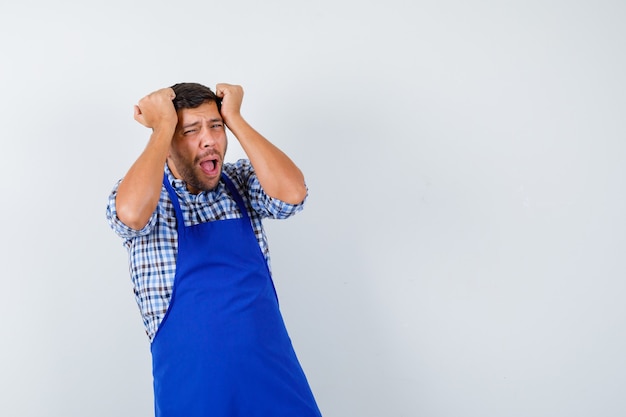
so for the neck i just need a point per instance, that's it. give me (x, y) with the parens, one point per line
(172, 166)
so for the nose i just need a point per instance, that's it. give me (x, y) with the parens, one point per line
(208, 138)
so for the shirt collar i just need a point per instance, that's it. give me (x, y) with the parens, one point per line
(180, 186)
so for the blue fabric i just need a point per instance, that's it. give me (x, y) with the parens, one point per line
(222, 349)
(152, 251)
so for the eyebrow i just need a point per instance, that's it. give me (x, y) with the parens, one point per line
(185, 126)
(196, 123)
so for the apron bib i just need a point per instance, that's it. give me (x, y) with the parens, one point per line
(222, 349)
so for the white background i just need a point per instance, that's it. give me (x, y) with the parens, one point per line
(462, 250)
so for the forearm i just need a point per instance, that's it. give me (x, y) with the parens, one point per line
(278, 175)
(139, 192)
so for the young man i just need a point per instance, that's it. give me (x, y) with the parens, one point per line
(199, 258)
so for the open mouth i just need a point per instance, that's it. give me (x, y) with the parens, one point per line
(210, 166)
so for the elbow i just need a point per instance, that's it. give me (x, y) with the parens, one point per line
(301, 196)
(131, 217)
(296, 195)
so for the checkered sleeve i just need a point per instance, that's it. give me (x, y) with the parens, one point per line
(264, 205)
(118, 226)
(152, 258)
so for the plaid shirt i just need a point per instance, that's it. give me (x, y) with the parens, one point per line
(152, 250)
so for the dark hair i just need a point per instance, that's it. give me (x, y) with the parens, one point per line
(192, 95)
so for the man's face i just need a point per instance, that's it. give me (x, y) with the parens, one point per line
(199, 146)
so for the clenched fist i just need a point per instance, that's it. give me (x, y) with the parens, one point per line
(156, 110)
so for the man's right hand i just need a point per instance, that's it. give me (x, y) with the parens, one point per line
(156, 110)
(139, 192)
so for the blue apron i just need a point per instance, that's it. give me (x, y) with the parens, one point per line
(222, 349)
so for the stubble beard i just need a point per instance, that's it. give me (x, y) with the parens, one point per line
(192, 174)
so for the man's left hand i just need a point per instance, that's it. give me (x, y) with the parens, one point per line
(232, 96)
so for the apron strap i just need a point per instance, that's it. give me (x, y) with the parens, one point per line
(229, 184)
(174, 198)
(236, 196)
